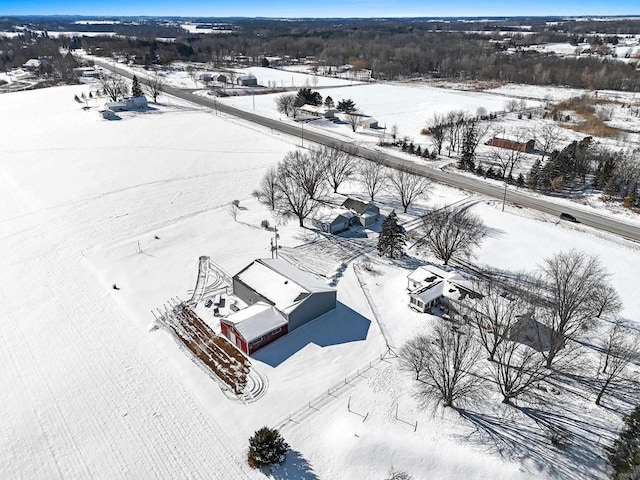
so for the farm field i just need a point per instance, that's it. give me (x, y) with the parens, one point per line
(93, 391)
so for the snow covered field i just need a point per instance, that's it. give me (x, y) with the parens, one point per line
(409, 106)
(91, 392)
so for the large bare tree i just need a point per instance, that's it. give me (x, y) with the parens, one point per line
(517, 369)
(308, 169)
(353, 119)
(113, 86)
(548, 138)
(286, 104)
(443, 363)
(452, 232)
(339, 166)
(373, 176)
(408, 187)
(437, 131)
(509, 159)
(495, 313)
(617, 349)
(569, 282)
(295, 201)
(268, 192)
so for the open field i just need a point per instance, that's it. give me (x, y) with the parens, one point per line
(92, 392)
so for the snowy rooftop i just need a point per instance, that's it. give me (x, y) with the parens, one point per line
(328, 215)
(428, 274)
(255, 321)
(280, 282)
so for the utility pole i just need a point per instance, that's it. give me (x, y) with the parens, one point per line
(302, 133)
(276, 239)
(504, 198)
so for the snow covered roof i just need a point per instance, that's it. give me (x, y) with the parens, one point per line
(360, 207)
(330, 215)
(280, 283)
(256, 321)
(32, 63)
(428, 274)
(430, 292)
(249, 76)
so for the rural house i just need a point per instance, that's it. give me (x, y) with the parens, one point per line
(128, 104)
(513, 144)
(369, 122)
(319, 112)
(280, 298)
(331, 220)
(430, 286)
(367, 213)
(247, 80)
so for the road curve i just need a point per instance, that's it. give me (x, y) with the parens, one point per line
(513, 194)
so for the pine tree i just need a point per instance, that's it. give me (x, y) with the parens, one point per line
(625, 453)
(392, 238)
(520, 181)
(533, 179)
(328, 102)
(266, 447)
(136, 90)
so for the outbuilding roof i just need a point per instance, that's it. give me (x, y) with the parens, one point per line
(282, 284)
(256, 321)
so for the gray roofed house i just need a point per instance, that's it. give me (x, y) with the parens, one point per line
(128, 104)
(332, 220)
(248, 80)
(299, 296)
(366, 212)
(430, 286)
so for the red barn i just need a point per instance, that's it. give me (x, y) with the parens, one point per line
(513, 144)
(253, 327)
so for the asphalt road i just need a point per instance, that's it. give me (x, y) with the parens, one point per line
(513, 194)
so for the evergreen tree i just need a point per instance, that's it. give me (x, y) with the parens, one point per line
(625, 453)
(520, 181)
(328, 102)
(266, 447)
(136, 90)
(347, 106)
(392, 238)
(418, 151)
(306, 96)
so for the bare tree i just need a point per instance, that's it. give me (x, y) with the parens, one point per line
(268, 192)
(308, 170)
(408, 187)
(451, 232)
(569, 281)
(154, 86)
(517, 369)
(606, 302)
(447, 371)
(414, 355)
(286, 104)
(373, 176)
(454, 121)
(339, 166)
(548, 138)
(508, 158)
(295, 199)
(193, 74)
(617, 350)
(494, 314)
(353, 119)
(233, 209)
(437, 131)
(113, 86)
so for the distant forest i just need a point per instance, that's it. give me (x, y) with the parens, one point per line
(392, 48)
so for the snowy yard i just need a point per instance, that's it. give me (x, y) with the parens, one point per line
(92, 392)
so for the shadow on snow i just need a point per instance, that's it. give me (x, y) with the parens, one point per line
(342, 325)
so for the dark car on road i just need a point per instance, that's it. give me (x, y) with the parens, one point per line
(568, 217)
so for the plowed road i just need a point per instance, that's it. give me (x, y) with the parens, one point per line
(601, 222)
